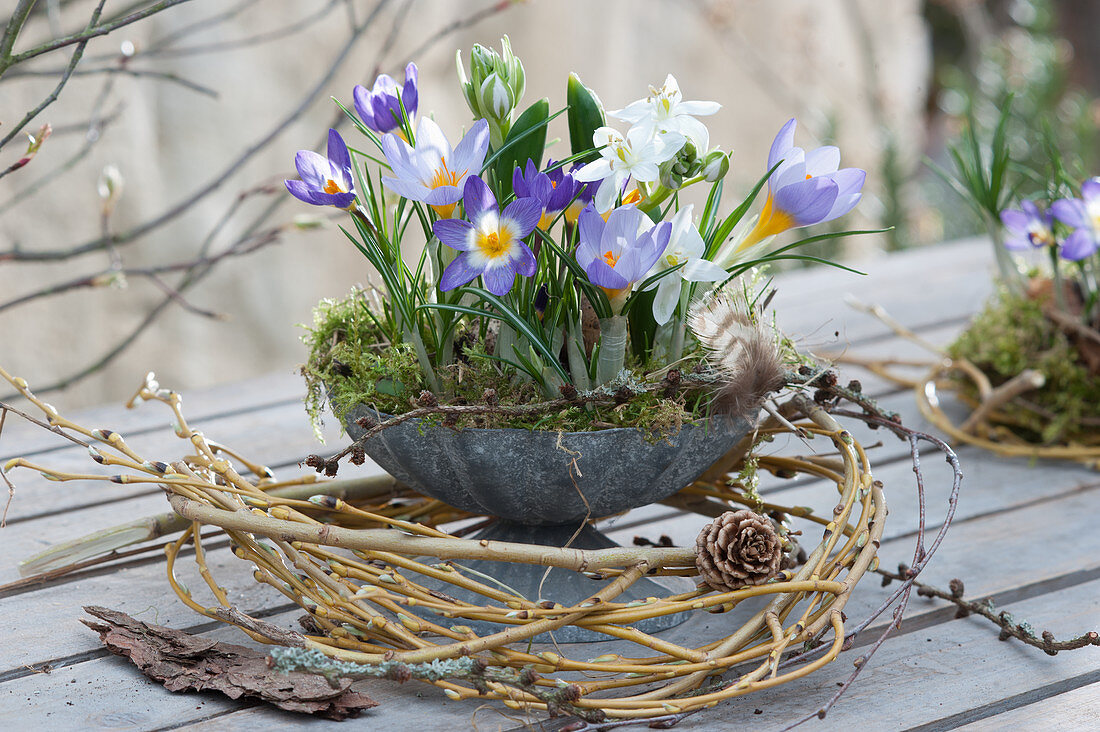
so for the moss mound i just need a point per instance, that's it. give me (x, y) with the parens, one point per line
(1012, 334)
(351, 362)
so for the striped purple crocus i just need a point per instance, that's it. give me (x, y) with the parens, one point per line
(1083, 213)
(1030, 227)
(490, 243)
(380, 106)
(325, 181)
(433, 171)
(807, 187)
(555, 189)
(617, 253)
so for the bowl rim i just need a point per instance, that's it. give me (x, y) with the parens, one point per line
(609, 430)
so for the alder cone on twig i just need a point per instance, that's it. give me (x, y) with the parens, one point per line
(738, 549)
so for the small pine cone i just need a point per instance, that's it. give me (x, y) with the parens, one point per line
(737, 549)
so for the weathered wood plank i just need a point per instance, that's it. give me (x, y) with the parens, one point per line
(1071, 711)
(920, 288)
(277, 436)
(22, 438)
(922, 677)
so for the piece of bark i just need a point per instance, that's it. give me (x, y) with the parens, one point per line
(185, 662)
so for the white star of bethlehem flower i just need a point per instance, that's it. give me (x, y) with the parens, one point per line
(639, 154)
(685, 247)
(664, 110)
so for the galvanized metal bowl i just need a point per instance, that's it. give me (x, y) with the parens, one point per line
(533, 481)
(537, 477)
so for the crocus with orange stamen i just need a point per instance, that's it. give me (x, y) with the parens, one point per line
(806, 188)
(490, 244)
(432, 171)
(618, 253)
(326, 181)
(555, 189)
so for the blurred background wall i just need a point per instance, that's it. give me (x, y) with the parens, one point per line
(174, 100)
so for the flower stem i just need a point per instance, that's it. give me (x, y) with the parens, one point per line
(578, 366)
(613, 333)
(681, 325)
(1009, 274)
(1059, 288)
(410, 333)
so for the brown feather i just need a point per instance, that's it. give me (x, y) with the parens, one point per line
(744, 352)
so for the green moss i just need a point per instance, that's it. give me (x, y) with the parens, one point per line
(350, 362)
(1012, 334)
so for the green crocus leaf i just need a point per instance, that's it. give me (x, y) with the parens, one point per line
(526, 140)
(585, 117)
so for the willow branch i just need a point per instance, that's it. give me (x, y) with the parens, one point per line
(92, 31)
(1023, 382)
(73, 61)
(400, 542)
(220, 178)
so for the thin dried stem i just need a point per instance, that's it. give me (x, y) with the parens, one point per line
(1010, 626)
(52, 97)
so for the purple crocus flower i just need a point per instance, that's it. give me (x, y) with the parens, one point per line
(1031, 227)
(490, 244)
(617, 253)
(380, 108)
(1084, 213)
(807, 187)
(586, 193)
(555, 189)
(432, 171)
(326, 181)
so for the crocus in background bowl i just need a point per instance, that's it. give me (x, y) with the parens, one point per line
(1028, 365)
(532, 324)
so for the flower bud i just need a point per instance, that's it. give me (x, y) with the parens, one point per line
(513, 70)
(495, 99)
(494, 87)
(671, 178)
(715, 166)
(482, 62)
(109, 187)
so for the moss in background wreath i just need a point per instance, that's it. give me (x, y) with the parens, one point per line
(1012, 334)
(351, 362)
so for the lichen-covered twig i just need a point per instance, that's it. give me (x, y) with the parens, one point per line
(558, 699)
(1011, 627)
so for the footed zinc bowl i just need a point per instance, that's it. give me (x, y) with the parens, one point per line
(529, 481)
(529, 476)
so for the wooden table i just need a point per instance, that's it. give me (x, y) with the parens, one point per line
(1024, 536)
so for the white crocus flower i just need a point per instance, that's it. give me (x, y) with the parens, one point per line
(639, 154)
(663, 110)
(685, 247)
